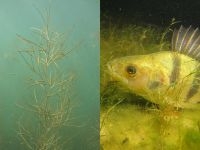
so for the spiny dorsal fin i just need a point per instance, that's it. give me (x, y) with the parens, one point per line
(187, 41)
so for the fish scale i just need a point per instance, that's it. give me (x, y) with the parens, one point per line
(166, 77)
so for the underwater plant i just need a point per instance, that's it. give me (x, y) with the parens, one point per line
(50, 104)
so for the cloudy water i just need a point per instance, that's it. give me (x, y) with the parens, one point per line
(35, 104)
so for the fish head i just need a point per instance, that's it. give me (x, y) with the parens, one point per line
(132, 72)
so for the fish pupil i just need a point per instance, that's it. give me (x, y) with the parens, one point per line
(131, 70)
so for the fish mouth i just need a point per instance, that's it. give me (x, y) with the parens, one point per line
(114, 75)
(109, 66)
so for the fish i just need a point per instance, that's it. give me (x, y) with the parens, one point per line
(170, 77)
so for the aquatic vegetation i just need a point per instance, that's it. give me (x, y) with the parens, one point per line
(49, 106)
(129, 121)
(92, 142)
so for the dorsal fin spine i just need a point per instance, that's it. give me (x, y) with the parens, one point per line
(177, 38)
(195, 42)
(183, 40)
(173, 42)
(187, 41)
(192, 36)
(190, 39)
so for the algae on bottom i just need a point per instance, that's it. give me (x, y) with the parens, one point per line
(129, 127)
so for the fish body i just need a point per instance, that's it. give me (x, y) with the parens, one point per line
(166, 77)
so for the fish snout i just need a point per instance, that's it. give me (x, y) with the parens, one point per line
(109, 67)
(115, 66)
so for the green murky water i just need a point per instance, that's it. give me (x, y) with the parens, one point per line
(79, 20)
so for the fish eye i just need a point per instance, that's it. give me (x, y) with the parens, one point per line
(131, 70)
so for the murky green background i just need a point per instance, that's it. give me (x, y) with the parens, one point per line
(78, 18)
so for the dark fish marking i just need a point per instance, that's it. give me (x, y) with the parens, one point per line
(125, 140)
(175, 73)
(195, 85)
(154, 84)
(192, 91)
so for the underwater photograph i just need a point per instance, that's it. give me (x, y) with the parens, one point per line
(50, 76)
(149, 75)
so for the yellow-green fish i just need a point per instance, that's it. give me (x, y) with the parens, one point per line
(165, 77)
